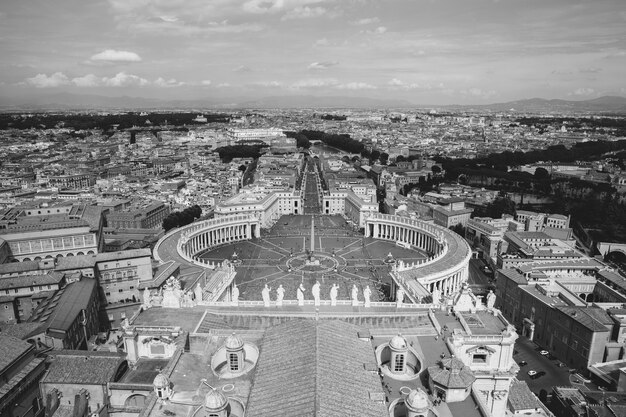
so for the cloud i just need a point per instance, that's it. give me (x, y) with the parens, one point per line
(263, 6)
(169, 19)
(583, 91)
(378, 31)
(172, 82)
(88, 80)
(618, 54)
(205, 83)
(395, 83)
(111, 55)
(121, 79)
(242, 68)
(321, 42)
(43, 81)
(315, 83)
(356, 86)
(304, 13)
(270, 84)
(223, 85)
(321, 66)
(591, 70)
(365, 21)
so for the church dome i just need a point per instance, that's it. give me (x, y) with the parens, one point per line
(233, 342)
(417, 400)
(161, 381)
(215, 401)
(398, 342)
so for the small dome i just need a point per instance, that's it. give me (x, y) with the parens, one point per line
(215, 401)
(398, 342)
(233, 342)
(417, 400)
(161, 381)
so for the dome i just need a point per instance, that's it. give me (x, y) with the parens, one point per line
(398, 342)
(417, 400)
(233, 342)
(215, 401)
(161, 381)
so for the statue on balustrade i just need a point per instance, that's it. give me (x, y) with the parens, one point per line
(491, 300)
(280, 294)
(355, 295)
(316, 292)
(265, 293)
(333, 294)
(367, 293)
(234, 294)
(300, 295)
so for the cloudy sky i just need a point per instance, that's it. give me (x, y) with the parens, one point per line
(424, 51)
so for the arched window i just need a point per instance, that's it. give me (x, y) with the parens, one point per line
(399, 363)
(233, 360)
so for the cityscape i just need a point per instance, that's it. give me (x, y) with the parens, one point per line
(313, 208)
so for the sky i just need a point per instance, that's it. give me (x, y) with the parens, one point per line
(422, 51)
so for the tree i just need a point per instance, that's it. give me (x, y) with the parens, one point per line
(541, 174)
(384, 157)
(242, 168)
(436, 169)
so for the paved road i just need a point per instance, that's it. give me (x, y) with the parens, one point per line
(555, 376)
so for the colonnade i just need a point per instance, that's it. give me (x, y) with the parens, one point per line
(217, 233)
(447, 267)
(414, 237)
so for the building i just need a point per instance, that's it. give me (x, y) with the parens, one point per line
(71, 315)
(266, 205)
(20, 372)
(451, 211)
(53, 232)
(76, 382)
(142, 215)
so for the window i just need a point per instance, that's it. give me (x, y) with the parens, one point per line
(479, 358)
(233, 360)
(398, 366)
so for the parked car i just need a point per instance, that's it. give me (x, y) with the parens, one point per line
(523, 363)
(544, 352)
(532, 373)
(539, 374)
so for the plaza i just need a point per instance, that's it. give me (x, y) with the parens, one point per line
(340, 256)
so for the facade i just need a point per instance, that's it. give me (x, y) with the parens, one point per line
(267, 206)
(451, 211)
(120, 273)
(143, 216)
(22, 294)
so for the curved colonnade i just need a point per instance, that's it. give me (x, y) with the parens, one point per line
(447, 266)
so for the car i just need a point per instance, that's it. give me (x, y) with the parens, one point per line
(532, 373)
(523, 363)
(544, 353)
(539, 374)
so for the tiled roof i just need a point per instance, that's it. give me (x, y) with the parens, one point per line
(11, 348)
(15, 267)
(313, 368)
(125, 254)
(75, 262)
(21, 330)
(83, 367)
(60, 311)
(451, 373)
(52, 277)
(582, 316)
(521, 397)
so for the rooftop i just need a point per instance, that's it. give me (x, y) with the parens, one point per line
(83, 367)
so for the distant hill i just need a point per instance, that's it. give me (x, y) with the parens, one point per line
(606, 104)
(69, 101)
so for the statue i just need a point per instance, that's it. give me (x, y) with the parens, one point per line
(355, 295)
(280, 294)
(399, 297)
(333, 294)
(300, 295)
(316, 292)
(197, 292)
(436, 296)
(491, 299)
(265, 293)
(147, 298)
(367, 293)
(234, 294)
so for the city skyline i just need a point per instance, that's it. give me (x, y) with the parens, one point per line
(423, 52)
